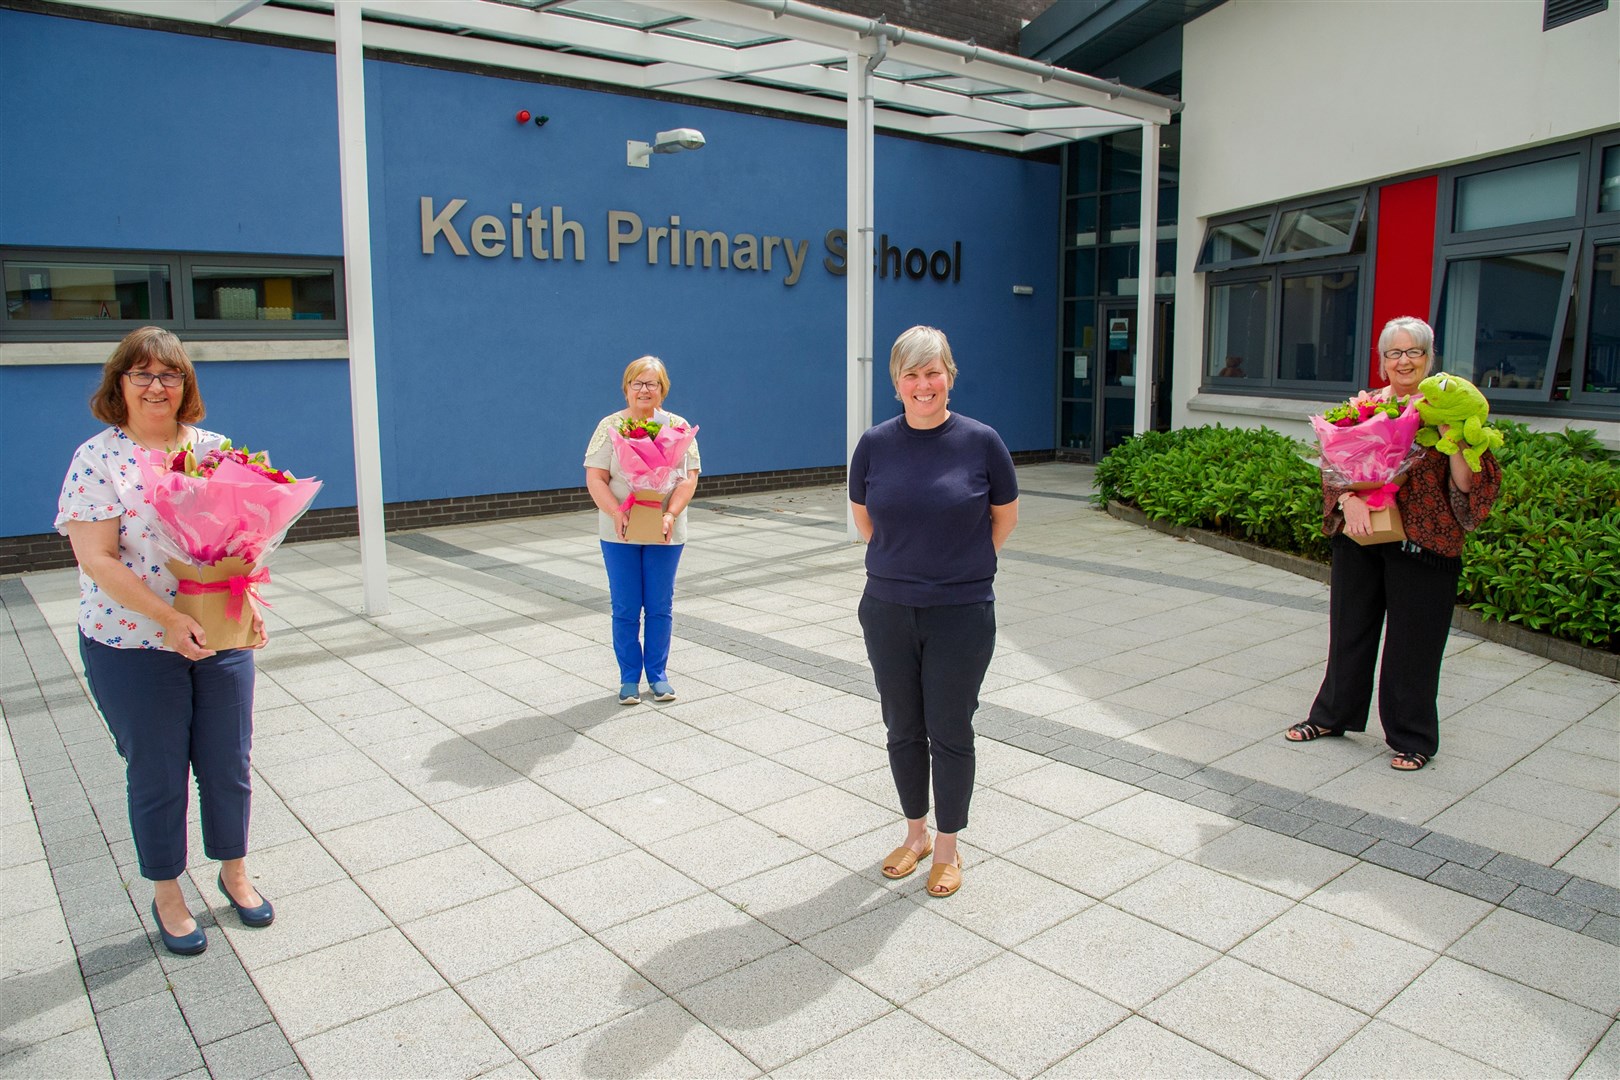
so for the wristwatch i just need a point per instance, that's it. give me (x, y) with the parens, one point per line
(1343, 497)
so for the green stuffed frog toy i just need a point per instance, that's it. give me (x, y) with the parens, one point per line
(1454, 414)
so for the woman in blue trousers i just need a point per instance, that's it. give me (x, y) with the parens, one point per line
(641, 576)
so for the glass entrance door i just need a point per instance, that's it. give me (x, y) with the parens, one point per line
(1116, 327)
(1115, 414)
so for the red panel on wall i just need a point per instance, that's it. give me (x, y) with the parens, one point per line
(1404, 269)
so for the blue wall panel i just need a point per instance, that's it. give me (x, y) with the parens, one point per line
(493, 370)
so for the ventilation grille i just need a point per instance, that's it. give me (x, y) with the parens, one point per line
(1559, 12)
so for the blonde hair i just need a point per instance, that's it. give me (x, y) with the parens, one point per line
(916, 348)
(643, 364)
(147, 343)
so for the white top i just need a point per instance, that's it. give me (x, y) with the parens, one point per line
(599, 454)
(105, 482)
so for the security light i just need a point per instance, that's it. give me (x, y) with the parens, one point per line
(637, 155)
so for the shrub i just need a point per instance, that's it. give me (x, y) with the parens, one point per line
(1547, 557)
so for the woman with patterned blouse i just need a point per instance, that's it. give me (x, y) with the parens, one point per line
(1405, 589)
(174, 706)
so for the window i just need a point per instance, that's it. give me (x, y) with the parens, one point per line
(65, 295)
(1499, 317)
(1239, 321)
(1537, 191)
(1525, 278)
(1285, 295)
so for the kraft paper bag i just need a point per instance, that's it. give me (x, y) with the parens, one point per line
(1386, 522)
(210, 608)
(646, 524)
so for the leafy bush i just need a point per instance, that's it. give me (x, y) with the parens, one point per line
(1547, 557)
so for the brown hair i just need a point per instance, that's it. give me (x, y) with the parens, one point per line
(138, 346)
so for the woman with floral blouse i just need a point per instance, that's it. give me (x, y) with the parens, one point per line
(174, 706)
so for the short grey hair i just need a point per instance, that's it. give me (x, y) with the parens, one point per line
(1421, 333)
(916, 348)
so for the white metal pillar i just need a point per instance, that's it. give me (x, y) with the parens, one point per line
(858, 274)
(351, 97)
(1147, 280)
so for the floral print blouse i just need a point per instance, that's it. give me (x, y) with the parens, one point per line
(103, 482)
(1436, 516)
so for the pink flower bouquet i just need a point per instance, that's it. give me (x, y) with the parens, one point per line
(1367, 444)
(222, 514)
(652, 456)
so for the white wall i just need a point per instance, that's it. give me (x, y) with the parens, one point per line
(1291, 97)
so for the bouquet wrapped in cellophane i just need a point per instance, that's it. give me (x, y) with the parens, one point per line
(652, 456)
(221, 514)
(1367, 444)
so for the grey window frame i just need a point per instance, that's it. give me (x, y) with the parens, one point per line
(1295, 269)
(1578, 395)
(1446, 208)
(182, 321)
(1594, 180)
(1216, 266)
(1242, 276)
(1273, 235)
(1569, 239)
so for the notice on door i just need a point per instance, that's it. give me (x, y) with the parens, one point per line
(1119, 333)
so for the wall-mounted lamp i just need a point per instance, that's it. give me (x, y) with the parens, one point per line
(638, 155)
(523, 116)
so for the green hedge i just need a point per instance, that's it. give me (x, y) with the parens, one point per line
(1548, 556)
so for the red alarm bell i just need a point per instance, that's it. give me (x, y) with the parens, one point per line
(523, 116)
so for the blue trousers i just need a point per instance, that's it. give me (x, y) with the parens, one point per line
(170, 716)
(929, 663)
(641, 578)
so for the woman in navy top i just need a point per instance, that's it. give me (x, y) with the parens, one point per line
(935, 496)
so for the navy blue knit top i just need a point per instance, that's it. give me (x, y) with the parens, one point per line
(929, 494)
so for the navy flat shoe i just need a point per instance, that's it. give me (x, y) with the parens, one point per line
(185, 944)
(263, 915)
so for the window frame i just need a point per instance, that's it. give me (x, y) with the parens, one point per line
(1241, 276)
(181, 320)
(1594, 189)
(1446, 203)
(1570, 241)
(1216, 266)
(1273, 235)
(1358, 347)
(1578, 395)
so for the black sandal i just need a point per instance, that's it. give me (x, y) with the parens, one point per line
(1306, 731)
(1408, 761)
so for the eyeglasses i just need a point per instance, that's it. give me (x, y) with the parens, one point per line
(170, 379)
(643, 387)
(1410, 354)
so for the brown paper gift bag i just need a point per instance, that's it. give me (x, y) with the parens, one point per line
(646, 524)
(212, 606)
(1386, 521)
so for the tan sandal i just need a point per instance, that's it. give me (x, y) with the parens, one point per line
(944, 879)
(902, 861)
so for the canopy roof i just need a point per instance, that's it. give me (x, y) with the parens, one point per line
(775, 54)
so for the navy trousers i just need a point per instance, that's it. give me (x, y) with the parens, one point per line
(929, 663)
(170, 716)
(1382, 588)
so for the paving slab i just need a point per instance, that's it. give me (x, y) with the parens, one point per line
(483, 866)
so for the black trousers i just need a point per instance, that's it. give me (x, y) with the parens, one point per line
(929, 663)
(1410, 598)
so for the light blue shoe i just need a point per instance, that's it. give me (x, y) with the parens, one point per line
(629, 693)
(662, 691)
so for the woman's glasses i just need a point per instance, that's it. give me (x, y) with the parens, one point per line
(170, 379)
(643, 387)
(1410, 354)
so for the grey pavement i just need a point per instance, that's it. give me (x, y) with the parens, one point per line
(483, 866)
